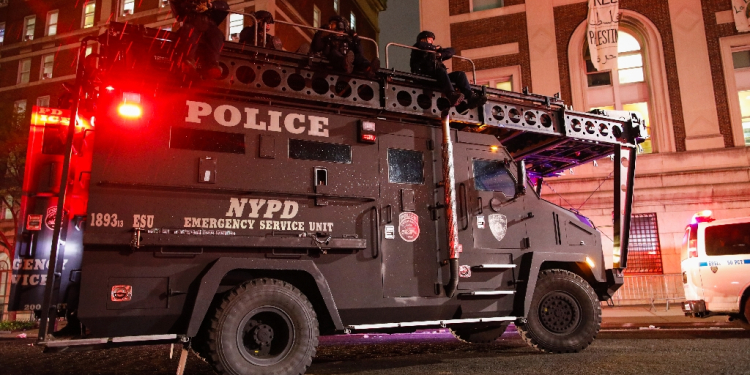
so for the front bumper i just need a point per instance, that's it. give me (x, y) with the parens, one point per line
(695, 309)
(614, 280)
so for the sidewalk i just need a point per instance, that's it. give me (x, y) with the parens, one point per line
(644, 316)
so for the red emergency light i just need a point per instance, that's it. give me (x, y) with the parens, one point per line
(705, 216)
(130, 110)
(366, 132)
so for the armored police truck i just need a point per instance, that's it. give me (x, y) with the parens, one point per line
(247, 215)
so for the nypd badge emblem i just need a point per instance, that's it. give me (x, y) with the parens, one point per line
(498, 225)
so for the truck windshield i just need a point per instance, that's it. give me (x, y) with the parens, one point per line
(731, 239)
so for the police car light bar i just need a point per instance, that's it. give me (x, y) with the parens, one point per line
(704, 216)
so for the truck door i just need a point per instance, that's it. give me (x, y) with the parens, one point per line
(495, 216)
(410, 259)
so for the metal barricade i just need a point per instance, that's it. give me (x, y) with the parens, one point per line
(388, 66)
(650, 289)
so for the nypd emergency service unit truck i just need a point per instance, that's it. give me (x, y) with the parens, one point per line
(247, 215)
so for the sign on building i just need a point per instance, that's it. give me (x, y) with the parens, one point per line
(603, 21)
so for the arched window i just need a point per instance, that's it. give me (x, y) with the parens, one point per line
(625, 91)
(638, 83)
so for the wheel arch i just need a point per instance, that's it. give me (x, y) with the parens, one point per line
(535, 262)
(303, 274)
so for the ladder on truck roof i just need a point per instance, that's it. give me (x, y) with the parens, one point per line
(537, 130)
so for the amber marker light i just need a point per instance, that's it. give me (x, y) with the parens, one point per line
(494, 148)
(129, 110)
(590, 262)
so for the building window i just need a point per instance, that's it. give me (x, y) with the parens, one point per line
(605, 90)
(24, 71)
(503, 83)
(353, 21)
(89, 50)
(336, 6)
(7, 213)
(2, 32)
(163, 3)
(741, 63)
(236, 23)
(128, 7)
(48, 62)
(42, 101)
(644, 251)
(477, 5)
(52, 22)
(29, 25)
(506, 78)
(316, 16)
(19, 111)
(88, 14)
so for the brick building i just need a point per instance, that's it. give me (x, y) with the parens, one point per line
(682, 64)
(39, 40)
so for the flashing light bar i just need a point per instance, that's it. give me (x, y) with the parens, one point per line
(705, 216)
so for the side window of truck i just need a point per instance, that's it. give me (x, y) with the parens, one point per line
(405, 166)
(320, 151)
(730, 239)
(491, 175)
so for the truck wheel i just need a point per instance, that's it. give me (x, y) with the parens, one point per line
(265, 326)
(565, 314)
(746, 322)
(479, 335)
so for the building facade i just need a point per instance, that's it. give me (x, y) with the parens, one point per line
(682, 65)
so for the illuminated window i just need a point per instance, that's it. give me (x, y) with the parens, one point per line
(42, 101)
(48, 62)
(316, 16)
(128, 7)
(605, 90)
(163, 3)
(353, 21)
(477, 5)
(29, 23)
(24, 71)
(7, 214)
(89, 50)
(88, 14)
(2, 32)
(644, 250)
(19, 111)
(336, 6)
(236, 23)
(52, 22)
(741, 62)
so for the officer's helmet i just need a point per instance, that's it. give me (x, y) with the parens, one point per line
(341, 24)
(264, 16)
(425, 34)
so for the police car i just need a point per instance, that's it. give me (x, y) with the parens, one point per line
(716, 267)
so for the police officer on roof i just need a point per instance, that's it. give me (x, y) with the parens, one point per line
(265, 20)
(431, 64)
(199, 40)
(343, 51)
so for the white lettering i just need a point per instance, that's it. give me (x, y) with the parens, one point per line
(236, 206)
(289, 123)
(290, 209)
(274, 206)
(275, 119)
(196, 109)
(316, 126)
(220, 115)
(255, 205)
(251, 120)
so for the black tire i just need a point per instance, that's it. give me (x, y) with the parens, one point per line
(479, 335)
(265, 326)
(744, 322)
(565, 315)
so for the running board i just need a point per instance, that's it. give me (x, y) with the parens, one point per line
(105, 342)
(489, 293)
(494, 266)
(441, 323)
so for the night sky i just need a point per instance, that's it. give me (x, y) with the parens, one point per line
(400, 24)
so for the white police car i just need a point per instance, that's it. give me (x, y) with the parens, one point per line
(716, 267)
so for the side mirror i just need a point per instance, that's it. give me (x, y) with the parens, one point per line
(522, 179)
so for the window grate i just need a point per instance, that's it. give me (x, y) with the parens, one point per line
(644, 251)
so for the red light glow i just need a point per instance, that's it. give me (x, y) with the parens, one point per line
(129, 110)
(704, 216)
(369, 137)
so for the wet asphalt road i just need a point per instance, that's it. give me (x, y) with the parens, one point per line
(688, 351)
